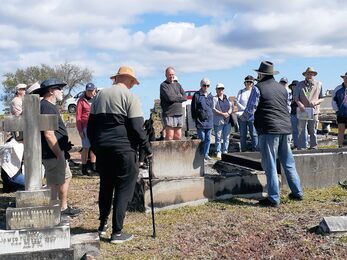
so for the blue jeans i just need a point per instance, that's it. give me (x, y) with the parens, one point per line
(205, 137)
(222, 131)
(243, 125)
(273, 147)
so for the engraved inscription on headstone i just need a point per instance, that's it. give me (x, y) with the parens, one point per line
(33, 198)
(35, 217)
(35, 240)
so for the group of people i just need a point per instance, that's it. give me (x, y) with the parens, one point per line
(112, 126)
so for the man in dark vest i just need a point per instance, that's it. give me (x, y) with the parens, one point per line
(268, 103)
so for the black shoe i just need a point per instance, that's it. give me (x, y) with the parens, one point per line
(70, 211)
(85, 170)
(268, 203)
(117, 238)
(292, 196)
(102, 228)
(93, 167)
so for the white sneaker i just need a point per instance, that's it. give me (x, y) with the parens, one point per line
(219, 155)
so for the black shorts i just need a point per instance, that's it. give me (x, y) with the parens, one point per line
(342, 120)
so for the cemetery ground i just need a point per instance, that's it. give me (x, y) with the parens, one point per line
(233, 229)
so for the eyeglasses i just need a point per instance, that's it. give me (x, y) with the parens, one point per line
(204, 85)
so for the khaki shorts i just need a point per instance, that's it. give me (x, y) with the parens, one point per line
(56, 171)
(173, 121)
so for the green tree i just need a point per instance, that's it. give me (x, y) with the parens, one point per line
(73, 75)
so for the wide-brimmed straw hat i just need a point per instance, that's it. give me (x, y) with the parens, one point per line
(343, 76)
(266, 68)
(128, 71)
(310, 69)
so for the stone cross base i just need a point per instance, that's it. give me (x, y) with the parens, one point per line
(34, 198)
(32, 240)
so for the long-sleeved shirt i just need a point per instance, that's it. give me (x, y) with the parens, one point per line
(339, 100)
(268, 102)
(116, 121)
(17, 106)
(82, 113)
(242, 99)
(172, 96)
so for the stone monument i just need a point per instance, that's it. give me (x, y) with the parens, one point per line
(34, 226)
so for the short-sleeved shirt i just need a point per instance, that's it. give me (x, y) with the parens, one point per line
(47, 107)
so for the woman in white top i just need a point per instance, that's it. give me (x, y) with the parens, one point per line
(241, 101)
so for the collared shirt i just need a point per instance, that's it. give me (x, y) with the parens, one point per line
(252, 104)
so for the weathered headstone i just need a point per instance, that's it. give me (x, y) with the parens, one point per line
(334, 224)
(35, 224)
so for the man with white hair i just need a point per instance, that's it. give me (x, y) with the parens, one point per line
(17, 101)
(308, 97)
(54, 145)
(202, 113)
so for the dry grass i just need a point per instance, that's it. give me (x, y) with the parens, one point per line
(235, 228)
(232, 229)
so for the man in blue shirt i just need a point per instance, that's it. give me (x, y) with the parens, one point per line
(268, 103)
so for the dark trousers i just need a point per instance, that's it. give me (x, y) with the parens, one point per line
(118, 175)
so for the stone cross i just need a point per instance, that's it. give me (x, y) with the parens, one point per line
(31, 122)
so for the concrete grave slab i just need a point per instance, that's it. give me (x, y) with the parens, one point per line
(177, 159)
(87, 243)
(334, 224)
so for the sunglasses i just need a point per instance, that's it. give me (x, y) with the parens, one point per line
(204, 85)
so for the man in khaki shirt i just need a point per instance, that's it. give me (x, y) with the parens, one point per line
(309, 95)
(17, 101)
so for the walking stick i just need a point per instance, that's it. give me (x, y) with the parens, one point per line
(150, 175)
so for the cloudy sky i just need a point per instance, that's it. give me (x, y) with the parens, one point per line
(222, 39)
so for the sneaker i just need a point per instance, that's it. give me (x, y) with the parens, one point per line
(268, 203)
(70, 211)
(292, 196)
(102, 228)
(117, 238)
(219, 155)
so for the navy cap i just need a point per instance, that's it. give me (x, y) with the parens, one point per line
(90, 86)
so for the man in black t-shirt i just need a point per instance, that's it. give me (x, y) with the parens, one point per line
(54, 144)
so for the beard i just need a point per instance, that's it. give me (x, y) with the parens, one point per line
(59, 97)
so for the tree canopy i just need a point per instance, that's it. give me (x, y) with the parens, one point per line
(73, 75)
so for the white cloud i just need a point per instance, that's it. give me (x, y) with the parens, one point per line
(105, 34)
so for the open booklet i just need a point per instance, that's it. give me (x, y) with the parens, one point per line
(308, 114)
